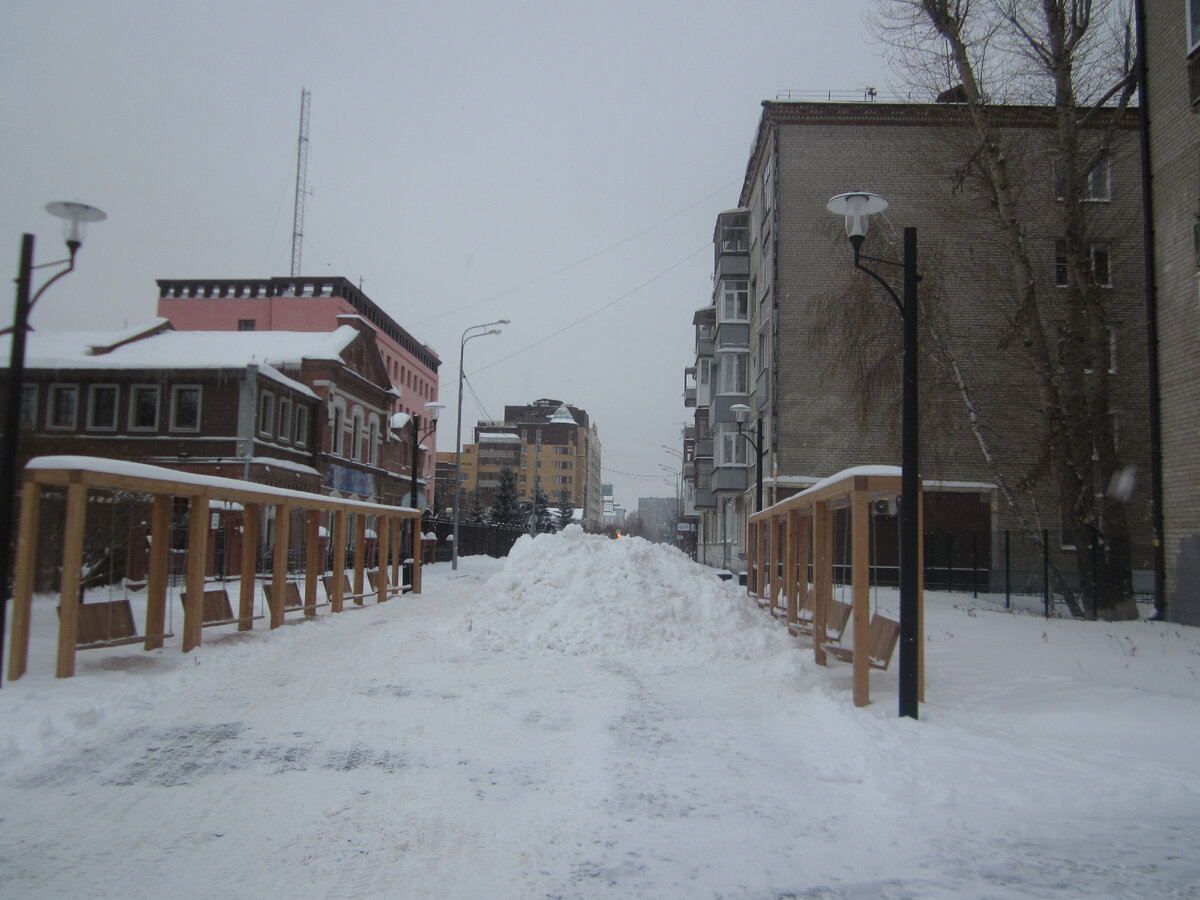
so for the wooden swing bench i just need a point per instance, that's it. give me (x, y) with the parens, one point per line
(107, 623)
(217, 610)
(882, 636)
(347, 590)
(292, 600)
(390, 590)
(837, 617)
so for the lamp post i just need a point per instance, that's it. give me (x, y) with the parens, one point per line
(435, 410)
(468, 335)
(857, 207)
(75, 217)
(741, 412)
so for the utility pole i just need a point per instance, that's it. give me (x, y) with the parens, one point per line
(301, 182)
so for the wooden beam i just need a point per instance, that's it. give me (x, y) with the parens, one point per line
(860, 590)
(360, 554)
(791, 533)
(197, 563)
(312, 560)
(338, 572)
(159, 571)
(822, 575)
(251, 523)
(415, 525)
(384, 531)
(279, 561)
(72, 565)
(27, 531)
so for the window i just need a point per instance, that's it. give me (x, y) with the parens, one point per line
(143, 407)
(62, 406)
(732, 373)
(29, 394)
(735, 301)
(1060, 263)
(1193, 24)
(285, 419)
(301, 434)
(185, 408)
(246, 325)
(1098, 182)
(731, 450)
(734, 234)
(335, 442)
(768, 186)
(102, 407)
(355, 437)
(266, 413)
(373, 445)
(1101, 265)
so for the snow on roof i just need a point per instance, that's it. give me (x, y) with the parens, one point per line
(188, 350)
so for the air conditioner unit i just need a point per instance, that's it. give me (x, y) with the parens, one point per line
(883, 507)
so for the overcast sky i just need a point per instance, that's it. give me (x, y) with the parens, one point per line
(558, 164)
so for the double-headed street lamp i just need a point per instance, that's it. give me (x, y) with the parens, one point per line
(75, 217)
(857, 207)
(468, 335)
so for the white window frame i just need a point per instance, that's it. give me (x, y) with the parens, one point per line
(266, 413)
(337, 427)
(737, 297)
(135, 391)
(285, 420)
(51, 395)
(731, 449)
(300, 433)
(93, 390)
(176, 391)
(1097, 191)
(727, 376)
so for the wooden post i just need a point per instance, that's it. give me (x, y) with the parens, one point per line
(279, 561)
(197, 561)
(760, 578)
(27, 531)
(160, 566)
(72, 563)
(803, 556)
(360, 544)
(383, 527)
(790, 533)
(312, 560)
(337, 574)
(860, 589)
(778, 531)
(921, 591)
(752, 587)
(251, 522)
(822, 575)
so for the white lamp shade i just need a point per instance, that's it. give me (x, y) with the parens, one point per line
(857, 207)
(75, 217)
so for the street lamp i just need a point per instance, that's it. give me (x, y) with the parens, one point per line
(741, 412)
(468, 335)
(434, 409)
(857, 207)
(75, 217)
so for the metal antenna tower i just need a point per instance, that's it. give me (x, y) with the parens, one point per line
(301, 178)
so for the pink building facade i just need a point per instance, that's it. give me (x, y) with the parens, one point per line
(312, 304)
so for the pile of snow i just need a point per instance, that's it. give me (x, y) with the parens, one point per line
(584, 594)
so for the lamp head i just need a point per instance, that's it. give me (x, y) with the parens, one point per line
(434, 409)
(741, 412)
(857, 207)
(75, 217)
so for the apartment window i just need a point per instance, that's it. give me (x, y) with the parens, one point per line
(735, 234)
(63, 406)
(185, 408)
(1099, 185)
(731, 449)
(732, 373)
(29, 395)
(1060, 263)
(1101, 265)
(143, 407)
(373, 445)
(735, 301)
(355, 437)
(1193, 24)
(335, 444)
(266, 413)
(768, 185)
(246, 325)
(285, 419)
(301, 434)
(102, 407)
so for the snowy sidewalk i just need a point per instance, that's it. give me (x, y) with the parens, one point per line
(604, 719)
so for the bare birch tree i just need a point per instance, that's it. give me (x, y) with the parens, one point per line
(1074, 57)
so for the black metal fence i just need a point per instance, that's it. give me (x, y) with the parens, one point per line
(474, 540)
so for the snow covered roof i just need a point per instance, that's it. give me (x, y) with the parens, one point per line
(186, 350)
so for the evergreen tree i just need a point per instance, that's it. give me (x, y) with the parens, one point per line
(506, 508)
(541, 507)
(476, 511)
(566, 509)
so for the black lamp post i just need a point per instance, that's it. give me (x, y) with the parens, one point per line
(75, 217)
(462, 346)
(741, 412)
(857, 207)
(434, 410)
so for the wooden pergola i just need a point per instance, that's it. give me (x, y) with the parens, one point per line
(784, 540)
(79, 475)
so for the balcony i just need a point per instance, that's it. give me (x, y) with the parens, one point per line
(730, 478)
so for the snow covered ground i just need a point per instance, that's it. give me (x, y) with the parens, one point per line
(595, 718)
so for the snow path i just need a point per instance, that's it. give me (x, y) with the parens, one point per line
(416, 749)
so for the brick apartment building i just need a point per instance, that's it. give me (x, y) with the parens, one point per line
(305, 304)
(814, 349)
(1171, 33)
